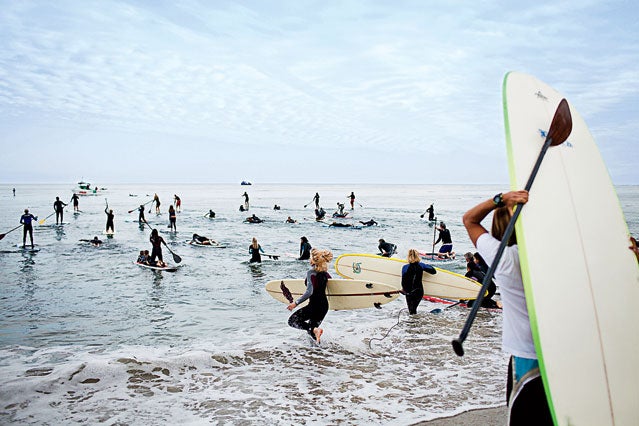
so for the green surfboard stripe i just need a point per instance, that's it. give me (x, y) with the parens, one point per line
(523, 258)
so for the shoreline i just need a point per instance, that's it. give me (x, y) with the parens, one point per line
(495, 416)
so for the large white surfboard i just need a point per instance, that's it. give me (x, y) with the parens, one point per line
(443, 284)
(580, 278)
(341, 294)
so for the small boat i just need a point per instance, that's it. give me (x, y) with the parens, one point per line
(84, 188)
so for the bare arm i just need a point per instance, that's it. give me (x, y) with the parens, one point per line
(473, 217)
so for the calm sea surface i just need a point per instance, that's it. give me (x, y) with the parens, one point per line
(87, 336)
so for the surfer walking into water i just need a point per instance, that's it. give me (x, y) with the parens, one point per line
(156, 200)
(246, 201)
(254, 250)
(26, 220)
(412, 274)
(526, 398)
(58, 207)
(446, 250)
(352, 198)
(305, 249)
(76, 202)
(311, 316)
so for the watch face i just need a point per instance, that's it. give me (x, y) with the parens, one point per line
(497, 199)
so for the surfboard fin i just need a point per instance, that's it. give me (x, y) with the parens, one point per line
(377, 305)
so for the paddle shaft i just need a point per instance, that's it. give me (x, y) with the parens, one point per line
(457, 343)
(2, 235)
(150, 201)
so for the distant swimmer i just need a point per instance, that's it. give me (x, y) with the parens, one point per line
(141, 217)
(320, 214)
(276, 207)
(305, 249)
(352, 198)
(254, 219)
(95, 241)
(341, 225)
(290, 220)
(26, 220)
(246, 201)
(172, 219)
(446, 250)
(76, 202)
(58, 207)
(254, 250)
(386, 249)
(210, 214)
(178, 203)
(310, 317)
(109, 223)
(156, 200)
(412, 286)
(369, 223)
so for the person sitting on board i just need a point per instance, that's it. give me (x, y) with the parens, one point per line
(474, 273)
(142, 258)
(147, 257)
(446, 250)
(320, 214)
(290, 220)
(526, 398)
(211, 214)
(254, 219)
(386, 249)
(199, 239)
(156, 252)
(305, 249)
(27, 227)
(254, 250)
(368, 223)
(412, 286)
(311, 316)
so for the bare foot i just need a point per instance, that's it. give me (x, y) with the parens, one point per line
(318, 333)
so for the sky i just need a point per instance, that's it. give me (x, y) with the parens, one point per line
(300, 91)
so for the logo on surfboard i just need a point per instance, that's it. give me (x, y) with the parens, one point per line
(544, 134)
(357, 267)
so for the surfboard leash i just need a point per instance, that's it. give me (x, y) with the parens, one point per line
(399, 314)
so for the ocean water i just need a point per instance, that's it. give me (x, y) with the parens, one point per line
(86, 336)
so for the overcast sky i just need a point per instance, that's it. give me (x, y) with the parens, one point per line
(300, 91)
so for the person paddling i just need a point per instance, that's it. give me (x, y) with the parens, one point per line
(156, 251)
(58, 207)
(26, 220)
(141, 218)
(110, 229)
(352, 198)
(76, 202)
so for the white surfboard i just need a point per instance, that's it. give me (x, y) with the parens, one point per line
(444, 284)
(580, 278)
(341, 294)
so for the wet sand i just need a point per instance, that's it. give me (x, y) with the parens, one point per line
(484, 417)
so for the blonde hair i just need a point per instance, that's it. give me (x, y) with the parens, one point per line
(413, 256)
(501, 218)
(255, 244)
(320, 259)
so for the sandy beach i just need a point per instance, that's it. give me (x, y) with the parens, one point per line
(485, 417)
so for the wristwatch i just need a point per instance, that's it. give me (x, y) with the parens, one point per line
(498, 200)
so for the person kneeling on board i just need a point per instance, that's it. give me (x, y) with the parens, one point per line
(446, 250)
(526, 398)
(320, 214)
(412, 286)
(386, 249)
(311, 316)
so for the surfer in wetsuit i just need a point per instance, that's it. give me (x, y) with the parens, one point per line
(316, 198)
(412, 274)
(156, 251)
(480, 262)
(254, 250)
(305, 249)
(198, 239)
(95, 241)
(58, 207)
(352, 198)
(109, 222)
(26, 220)
(320, 214)
(368, 222)
(246, 201)
(254, 219)
(446, 250)
(211, 214)
(431, 212)
(141, 217)
(474, 273)
(526, 398)
(290, 220)
(311, 316)
(387, 249)
(172, 219)
(76, 202)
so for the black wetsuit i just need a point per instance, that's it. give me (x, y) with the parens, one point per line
(316, 198)
(58, 206)
(387, 249)
(27, 227)
(444, 237)
(431, 213)
(141, 217)
(76, 202)
(312, 315)
(488, 301)
(305, 251)
(157, 249)
(109, 223)
(255, 254)
(412, 284)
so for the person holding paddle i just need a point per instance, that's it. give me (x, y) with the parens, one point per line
(311, 316)
(76, 202)
(26, 220)
(58, 207)
(526, 397)
(141, 218)
(110, 229)
(156, 252)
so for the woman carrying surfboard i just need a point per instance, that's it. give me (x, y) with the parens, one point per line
(412, 274)
(526, 398)
(311, 316)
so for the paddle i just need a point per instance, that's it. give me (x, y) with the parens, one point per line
(440, 310)
(8, 232)
(176, 258)
(41, 221)
(309, 202)
(150, 201)
(560, 129)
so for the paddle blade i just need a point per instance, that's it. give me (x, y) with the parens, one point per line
(176, 258)
(2, 236)
(561, 125)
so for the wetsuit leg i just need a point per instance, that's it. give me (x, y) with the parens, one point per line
(58, 217)
(527, 401)
(156, 252)
(301, 320)
(413, 299)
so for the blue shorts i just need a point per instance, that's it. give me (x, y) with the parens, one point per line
(446, 248)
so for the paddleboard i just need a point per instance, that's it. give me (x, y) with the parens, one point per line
(573, 249)
(342, 294)
(28, 248)
(388, 270)
(157, 268)
(108, 234)
(213, 245)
